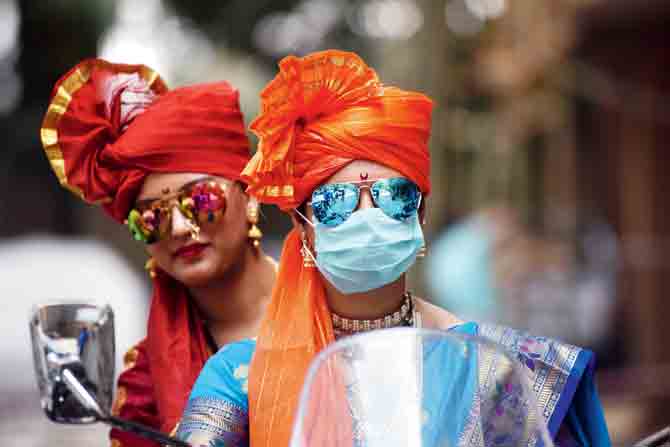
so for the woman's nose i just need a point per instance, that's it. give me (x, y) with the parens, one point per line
(180, 225)
(365, 200)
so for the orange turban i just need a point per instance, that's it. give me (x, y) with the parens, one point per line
(325, 110)
(320, 113)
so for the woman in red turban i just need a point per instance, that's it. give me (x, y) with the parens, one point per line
(167, 163)
(348, 158)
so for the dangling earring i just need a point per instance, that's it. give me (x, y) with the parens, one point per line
(255, 233)
(150, 267)
(422, 252)
(307, 260)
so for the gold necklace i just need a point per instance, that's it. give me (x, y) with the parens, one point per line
(401, 317)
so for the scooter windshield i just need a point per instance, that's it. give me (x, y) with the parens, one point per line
(419, 388)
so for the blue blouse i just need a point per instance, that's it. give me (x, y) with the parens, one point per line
(561, 376)
(217, 411)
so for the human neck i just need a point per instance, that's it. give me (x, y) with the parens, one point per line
(239, 297)
(369, 305)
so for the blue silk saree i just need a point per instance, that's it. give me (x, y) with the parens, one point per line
(560, 376)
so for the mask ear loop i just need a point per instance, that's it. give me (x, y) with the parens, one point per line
(304, 218)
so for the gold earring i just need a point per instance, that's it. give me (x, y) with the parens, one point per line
(422, 252)
(307, 260)
(255, 233)
(150, 267)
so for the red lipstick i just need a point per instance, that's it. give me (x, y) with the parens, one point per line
(190, 251)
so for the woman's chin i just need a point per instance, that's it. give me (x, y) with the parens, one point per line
(195, 274)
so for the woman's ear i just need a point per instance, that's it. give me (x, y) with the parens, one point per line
(240, 190)
(252, 201)
(297, 223)
(422, 212)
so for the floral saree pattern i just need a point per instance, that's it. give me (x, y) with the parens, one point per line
(561, 378)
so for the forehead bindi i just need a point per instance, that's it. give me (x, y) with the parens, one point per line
(363, 170)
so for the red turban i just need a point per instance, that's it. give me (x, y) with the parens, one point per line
(110, 125)
(320, 113)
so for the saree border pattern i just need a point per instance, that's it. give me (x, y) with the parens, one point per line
(211, 420)
(548, 365)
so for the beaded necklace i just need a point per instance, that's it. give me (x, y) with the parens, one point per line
(405, 316)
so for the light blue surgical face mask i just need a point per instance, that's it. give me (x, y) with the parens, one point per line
(367, 251)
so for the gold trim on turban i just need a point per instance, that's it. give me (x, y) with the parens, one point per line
(61, 100)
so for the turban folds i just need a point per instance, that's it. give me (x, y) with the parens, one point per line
(325, 110)
(110, 125)
(320, 113)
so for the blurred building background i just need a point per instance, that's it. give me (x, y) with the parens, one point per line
(549, 165)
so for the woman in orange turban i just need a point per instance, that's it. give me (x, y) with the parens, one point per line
(348, 158)
(167, 163)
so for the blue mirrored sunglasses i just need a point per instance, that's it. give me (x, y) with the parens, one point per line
(333, 203)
